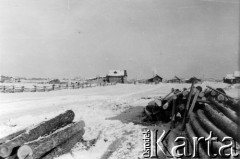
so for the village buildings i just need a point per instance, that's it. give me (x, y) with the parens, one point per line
(156, 79)
(175, 80)
(117, 76)
(232, 78)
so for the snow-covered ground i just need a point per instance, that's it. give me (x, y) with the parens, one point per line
(112, 115)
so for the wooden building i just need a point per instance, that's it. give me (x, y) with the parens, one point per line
(55, 81)
(193, 79)
(7, 79)
(232, 78)
(117, 76)
(156, 79)
(175, 80)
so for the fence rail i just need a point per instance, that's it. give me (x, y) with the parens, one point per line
(53, 87)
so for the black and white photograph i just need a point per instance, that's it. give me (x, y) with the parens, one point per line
(119, 79)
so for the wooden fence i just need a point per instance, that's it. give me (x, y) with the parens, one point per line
(53, 87)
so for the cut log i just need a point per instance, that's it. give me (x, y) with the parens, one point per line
(65, 147)
(221, 121)
(173, 113)
(225, 110)
(200, 132)
(147, 111)
(42, 129)
(190, 110)
(187, 107)
(213, 93)
(201, 94)
(171, 143)
(11, 136)
(220, 98)
(209, 126)
(190, 134)
(38, 148)
(158, 102)
(233, 104)
(217, 91)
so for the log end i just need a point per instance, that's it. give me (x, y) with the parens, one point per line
(24, 152)
(4, 151)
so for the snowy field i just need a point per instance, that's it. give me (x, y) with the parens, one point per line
(112, 115)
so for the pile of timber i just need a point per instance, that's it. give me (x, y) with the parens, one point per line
(220, 115)
(201, 111)
(46, 140)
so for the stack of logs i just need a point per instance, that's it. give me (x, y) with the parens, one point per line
(201, 111)
(210, 110)
(220, 115)
(47, 140)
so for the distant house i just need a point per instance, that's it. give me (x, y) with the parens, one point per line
(237, 76)
(193, 79)
(117, 76)
(232, 78)
(7, 79)
(175, 80)
(55, 81)
(156, 79)
(20, 79)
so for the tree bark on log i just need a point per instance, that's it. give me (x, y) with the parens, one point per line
(171, 143)
(190, 133)
(234, 104)
(220, 92)
(11, 136)
(42, 129)
(221, 121)
(195, 97)
(225, 110)
(38, 148)
(209, 126)
(187, 106)
(65, 147)
(198, 129)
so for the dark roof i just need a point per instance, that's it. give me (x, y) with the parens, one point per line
(55, 81)
(193, 79)
(155, 77)
(177, 78)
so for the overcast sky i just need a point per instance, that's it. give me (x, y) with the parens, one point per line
(61, 38)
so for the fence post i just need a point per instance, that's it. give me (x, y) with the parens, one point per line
(4, 89)
(22, 88)
(13, 89)
(67, 86)
(53, 87)
(44, 88)
(35, 88)
(78, 85)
